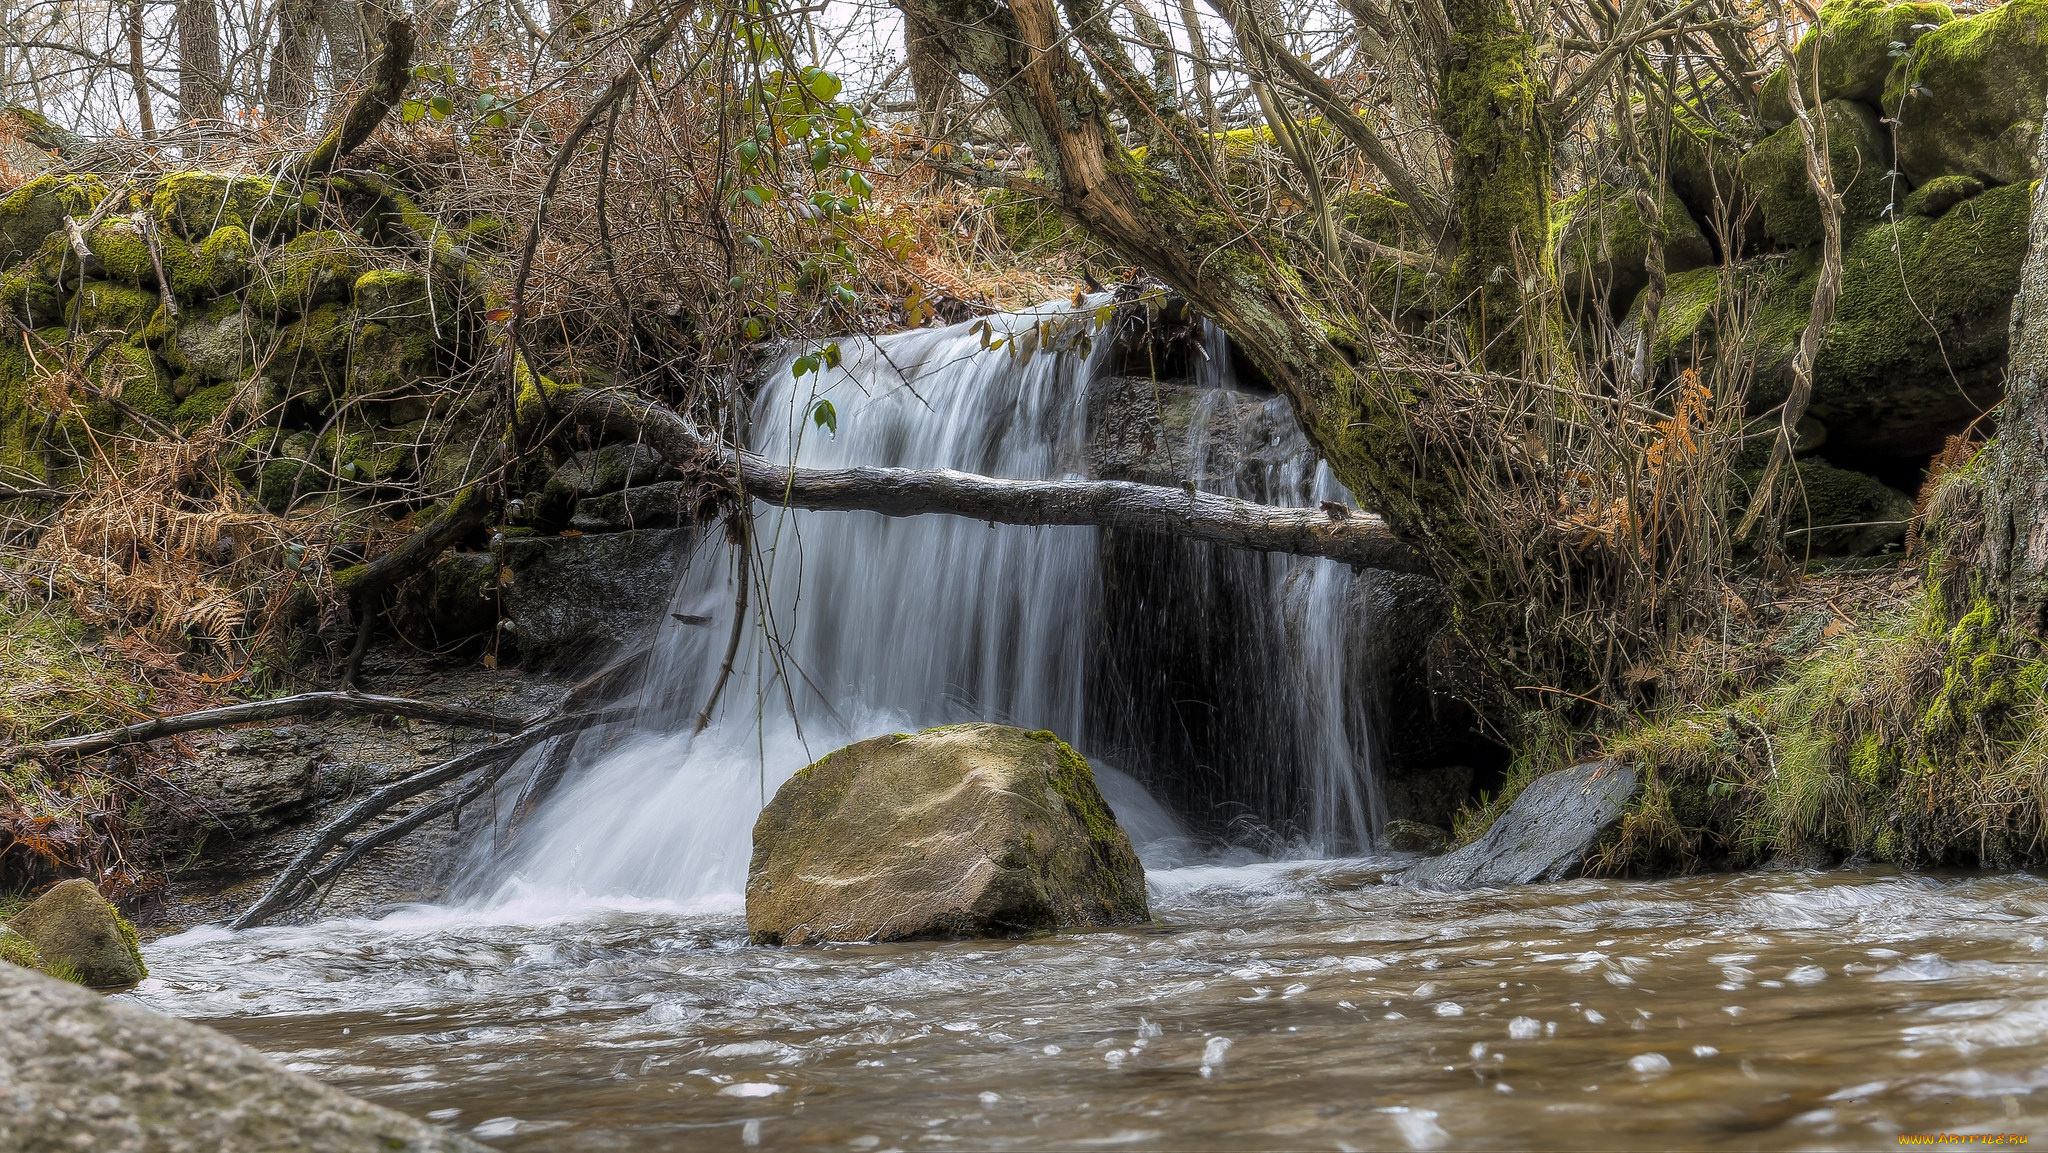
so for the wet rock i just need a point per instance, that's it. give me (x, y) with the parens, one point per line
(1416, 837)
(662, 505)
(79, 1071)
(1545, 834)
(1167, 432)
(575, 600)
(79, 936)
(970, 830)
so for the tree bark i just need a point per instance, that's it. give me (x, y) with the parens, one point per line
(1359, 539)
(138, 71)
(288, 88)
(2013, 554)
(200, 83)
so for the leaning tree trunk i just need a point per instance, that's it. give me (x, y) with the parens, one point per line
(2013, 476)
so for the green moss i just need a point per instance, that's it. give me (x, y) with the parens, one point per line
(1849, 54)
(1603, 246)
(32, 300)
(1824, 495)
(1968, 101)
(538, 397)
(132, 940)
(203, 406)
(16, 949)
(311, 269)
(1030, 225)
(1074, 781)
(191, 205)
(104, 306)
(1934, 198)
(1774, 173)
(1706, 147)
(34, 211)
(76, 691)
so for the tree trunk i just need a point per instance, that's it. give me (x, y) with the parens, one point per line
(288, 89)
(138, 71)
(2013, 554)
(931, 79)
(200, 83)
(348, 40)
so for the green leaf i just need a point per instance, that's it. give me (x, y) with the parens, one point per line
(756, 196)
(823, 84)
(753, 329)
(826, 417)
(806, 363)
(411, 111)
(860, 184)
(847, 296)
(496, 120)
(442, 106)
(831, 354)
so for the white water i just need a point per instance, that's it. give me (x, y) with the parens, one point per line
(862, 624)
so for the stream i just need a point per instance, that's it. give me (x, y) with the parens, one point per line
(586, 983)
(1298, 1005)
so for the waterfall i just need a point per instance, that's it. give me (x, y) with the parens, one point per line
(862, 624)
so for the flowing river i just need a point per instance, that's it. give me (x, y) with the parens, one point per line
(1272, 1006)
(587, 984)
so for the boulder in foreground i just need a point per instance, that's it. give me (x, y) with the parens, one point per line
(80, 937)
(1545, 834)
(969, 830)
(81, 1071)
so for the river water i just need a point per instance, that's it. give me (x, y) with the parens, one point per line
(587, 984)
(1299, 1005)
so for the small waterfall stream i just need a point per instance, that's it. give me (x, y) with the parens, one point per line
(865, 624)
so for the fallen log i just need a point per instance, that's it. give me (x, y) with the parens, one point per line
(299, 705)
(1357, 538)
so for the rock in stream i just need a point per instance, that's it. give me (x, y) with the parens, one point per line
(969, 830)
(1545, 834)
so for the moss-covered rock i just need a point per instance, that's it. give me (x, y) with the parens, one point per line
(1968, 101)
(1602, 245)
(221, 342)
(31, 213)
(310, 365)
(191, 205)
(105, 306)
(1873, 514)
(309, 270)
(80, 936)
(971, 830)
(34, 301)
(1849, 53)
(1707, 143)
(286, 472)
(1934, 198)
(371, 456)
(1859, 155)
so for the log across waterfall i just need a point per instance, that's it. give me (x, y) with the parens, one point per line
(861, 623)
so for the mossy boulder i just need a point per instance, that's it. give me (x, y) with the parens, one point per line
(34, 301)
(107, 306)
(79, 936)
(1934, 198)
(220, 343)
(1849, 53)
(1969, 99)
(371, 456)
(1859, 154)
(29, 214)
(610, 468)
(1603, 245)
(1872, 514)
(969, 830)
(309, 270)
(191, 205)
(1707, 143)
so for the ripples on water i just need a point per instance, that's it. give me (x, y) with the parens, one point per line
(1272, 1005)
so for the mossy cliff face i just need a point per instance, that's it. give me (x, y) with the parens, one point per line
(224, 300)
(969, 830)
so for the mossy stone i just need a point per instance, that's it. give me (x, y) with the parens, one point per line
(206, 404)
(34, 211)
(1969, 101)
(72, 926)
(1849, 53)
(1859, 154)
(1603, 245)
(289, 474)
(1934, 198)
(221, 343)
(34, 301)
(105, 306)
(311, 269)
(192, 204)
(1707, 143)
(968, 830)
(1823, 495)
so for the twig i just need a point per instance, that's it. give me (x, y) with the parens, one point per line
(302, 704)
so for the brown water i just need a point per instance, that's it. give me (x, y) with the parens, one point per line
(1297, 1006)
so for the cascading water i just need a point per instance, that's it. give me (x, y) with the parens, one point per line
(862, 624)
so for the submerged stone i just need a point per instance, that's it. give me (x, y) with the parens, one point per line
(964, 831)
(89, 1072)
(1545, 834)
(80, 936)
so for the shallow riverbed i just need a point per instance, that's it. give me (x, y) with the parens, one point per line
(1271, 1006)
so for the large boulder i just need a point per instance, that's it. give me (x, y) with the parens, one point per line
(1849, 53)
(1968, 100)
(970, 830)
(1859, 155)
(80, 1071)
(1545, 834)
(79, 936)
(1603, 246)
